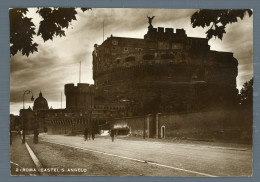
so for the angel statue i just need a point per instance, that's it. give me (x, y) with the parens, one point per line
(150, 19)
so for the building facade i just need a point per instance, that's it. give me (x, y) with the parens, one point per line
(167, 71)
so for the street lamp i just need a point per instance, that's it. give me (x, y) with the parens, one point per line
(32, 99)
(27, 92)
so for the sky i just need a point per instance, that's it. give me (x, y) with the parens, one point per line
(57, 62)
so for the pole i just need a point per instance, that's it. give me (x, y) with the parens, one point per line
(23, 141)
(23, 99)
(144, 128)
(103, 31)
(90, 116)
(23, 114)
(79, 71)
(61, 100)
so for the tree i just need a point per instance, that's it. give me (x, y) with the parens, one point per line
(217, 20)
(22, 29)
(246, 94)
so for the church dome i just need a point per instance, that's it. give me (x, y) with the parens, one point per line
(40, 103)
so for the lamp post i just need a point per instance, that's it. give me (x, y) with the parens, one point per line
(24, 127)
(27, 92)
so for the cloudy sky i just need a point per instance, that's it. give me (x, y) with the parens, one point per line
(57, 62)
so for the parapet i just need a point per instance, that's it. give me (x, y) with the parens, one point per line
(180, 31)
(79, 88)
(163, 33)
(169, 30)
(160, 30)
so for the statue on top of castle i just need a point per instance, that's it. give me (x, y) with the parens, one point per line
(150, 19)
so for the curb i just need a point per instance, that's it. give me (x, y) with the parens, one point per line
(36, 161)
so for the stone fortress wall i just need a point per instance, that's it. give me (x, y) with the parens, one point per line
(176, 71)
(80, 96)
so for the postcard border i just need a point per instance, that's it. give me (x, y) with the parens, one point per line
(184, 4)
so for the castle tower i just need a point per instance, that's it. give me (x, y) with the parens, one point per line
(80, 96)
(164, 72)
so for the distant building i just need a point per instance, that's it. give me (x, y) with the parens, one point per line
(15, 122)
(40, 104)
(81, 111)
(28, 120)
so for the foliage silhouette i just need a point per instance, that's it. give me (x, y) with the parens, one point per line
(22, 29)
(217, 20)
(246, 94)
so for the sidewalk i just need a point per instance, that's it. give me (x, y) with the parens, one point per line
(21, 163)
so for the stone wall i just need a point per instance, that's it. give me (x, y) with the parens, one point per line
(211, 125)
(228, 125)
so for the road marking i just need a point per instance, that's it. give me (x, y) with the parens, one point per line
(133, 159)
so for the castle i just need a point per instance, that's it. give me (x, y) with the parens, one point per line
(166, 72)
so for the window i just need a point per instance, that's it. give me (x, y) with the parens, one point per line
(130, 58)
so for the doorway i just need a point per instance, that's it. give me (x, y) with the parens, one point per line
(163, 132)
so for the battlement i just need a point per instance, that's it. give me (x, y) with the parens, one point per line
(163, 33)
(79, 88)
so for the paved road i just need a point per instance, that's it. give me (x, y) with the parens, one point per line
(191, 160)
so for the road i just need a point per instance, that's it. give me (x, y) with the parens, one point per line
(152, 158)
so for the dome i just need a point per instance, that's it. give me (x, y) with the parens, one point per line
(40, 103)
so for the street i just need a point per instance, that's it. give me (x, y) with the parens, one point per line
(141, 157)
